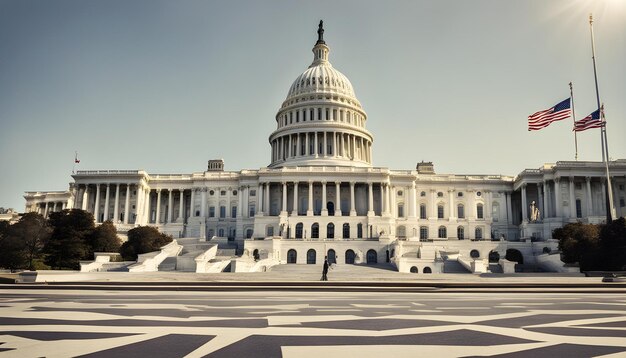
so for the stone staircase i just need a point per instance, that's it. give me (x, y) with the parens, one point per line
(348, 273)
(453, 266)
(185, 261)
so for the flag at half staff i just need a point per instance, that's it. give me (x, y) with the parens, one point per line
(543, 118)
(591, 121)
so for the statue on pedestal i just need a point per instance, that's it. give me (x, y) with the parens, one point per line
(534, 212)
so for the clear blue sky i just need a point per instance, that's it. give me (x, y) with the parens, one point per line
(165, 86)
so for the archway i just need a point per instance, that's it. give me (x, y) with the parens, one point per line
(255, 254)
(330, 231)
(414, 269)
(332, 257)
(474, 254)
(330, 206)
(292, 256)
(310, 257)
(514, 255)
(350, 257)
(372, 257)
(427, 270)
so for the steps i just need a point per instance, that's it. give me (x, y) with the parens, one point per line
(450, 266)
(377, 272)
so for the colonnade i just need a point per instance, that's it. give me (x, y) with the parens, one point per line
(307, 114)
(321, 144)
(48, 207)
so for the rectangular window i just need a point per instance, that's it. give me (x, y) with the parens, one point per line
(440, 212)
(579, 209)
(479, 212)
(423, 233)
(622, 202)
(223, 192)
(400, 211)
(297, 116)
(319, 114)
(222, 211)
(252, 192)
(461, 212)
(233, 212)
(252, 211)
(212, 211)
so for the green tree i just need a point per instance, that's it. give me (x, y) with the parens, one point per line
(580, 243)
(68, 242)
(104, 238)
(21, 244)
(613, 245)
(143, 239)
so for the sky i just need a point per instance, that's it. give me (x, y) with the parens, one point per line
(164, 86)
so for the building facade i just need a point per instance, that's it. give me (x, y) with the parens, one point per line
(321, 188)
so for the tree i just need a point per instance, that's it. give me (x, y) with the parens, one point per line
(143, 239)
(579, 242)
(104, 238)
(613, 245)
(68, 242)
(22, 243)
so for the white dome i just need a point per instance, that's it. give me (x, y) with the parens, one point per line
(321, 78)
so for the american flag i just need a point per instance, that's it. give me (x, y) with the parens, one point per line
(591, 121)
(543, 118)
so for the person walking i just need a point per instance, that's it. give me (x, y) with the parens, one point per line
(325, 269)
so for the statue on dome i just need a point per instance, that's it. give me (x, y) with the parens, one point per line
(320, 32)
(534, 212)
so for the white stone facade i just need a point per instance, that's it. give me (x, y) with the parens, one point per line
(321, 192)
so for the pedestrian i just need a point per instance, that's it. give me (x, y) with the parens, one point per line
(325, 269)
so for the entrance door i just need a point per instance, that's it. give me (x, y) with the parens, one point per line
(350, 257)
(331, 257)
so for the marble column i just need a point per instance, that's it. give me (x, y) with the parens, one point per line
(509, 208)
(107, 202)
(85, 203)
(116, 208)
(572, 198)
(266, 200)
(96, 211)
(259, 209)
(338, 198)
(294, 212)
(181, 206)
(157, 220)
(127, 204)
(352, 200)
(370, 200)
(192, 201)
(589, 199)
(412, 201)
(283, 208)
(558, 201)
(452, 207)
(324, 209)
(309, 211)
(524, 204)
(540, 200)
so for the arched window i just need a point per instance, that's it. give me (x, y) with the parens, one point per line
(299, 228)
(332, 257)
(220, 232)
(460, 211)
(460, 232)
(330, 231)
(315, 231)
(414, 269)
(310, 257)
(330, 207)
(494, 256)
(478, 233)
(372, 257)
(255, 254)
(422, 211)
(346, 231)
(474, 254)
(292, 256)
(442, 233)
(514, 255)
(427, 270)
(350, 257)
(479, 211)
(401, 231)
(249, 233)
(423, 232)
(270, 230)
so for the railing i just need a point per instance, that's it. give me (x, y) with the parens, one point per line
(91, 172)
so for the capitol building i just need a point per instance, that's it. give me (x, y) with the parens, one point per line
(321, 196)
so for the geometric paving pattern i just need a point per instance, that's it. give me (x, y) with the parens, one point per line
(108, 323)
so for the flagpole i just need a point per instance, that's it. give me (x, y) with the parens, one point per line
(603, 138)
(571, 93)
